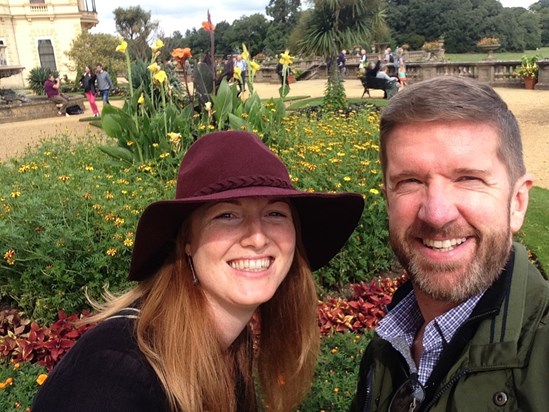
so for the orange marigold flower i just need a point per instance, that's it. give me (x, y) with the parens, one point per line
(41, 378)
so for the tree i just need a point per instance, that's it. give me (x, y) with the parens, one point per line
(251, 30)
(285, 15)
(90, 49)
(135, 25)
(334, 25)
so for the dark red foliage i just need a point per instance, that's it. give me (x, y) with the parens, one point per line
(364, 310)
(43, 345)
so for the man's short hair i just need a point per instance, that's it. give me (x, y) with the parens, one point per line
(453, 98)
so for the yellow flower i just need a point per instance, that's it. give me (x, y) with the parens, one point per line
(122, 46)
(161, 76)
(141, 99)
(154, 68)
(374, 191)
(254, 66)
(245, 53)
(41, 379)
(158, 44)
(174, 137)
(285, 58)
(208, 106)
(9, 257)
(237, 73)
(111, 252)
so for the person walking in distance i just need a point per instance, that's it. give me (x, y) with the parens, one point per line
(88, 83)
(104, 83)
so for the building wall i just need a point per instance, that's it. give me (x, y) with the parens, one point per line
(23, 24)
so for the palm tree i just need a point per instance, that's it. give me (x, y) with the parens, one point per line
(333, 25)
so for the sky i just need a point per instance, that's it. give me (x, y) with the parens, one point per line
(186, 15)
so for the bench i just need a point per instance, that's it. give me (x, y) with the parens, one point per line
(389, 87)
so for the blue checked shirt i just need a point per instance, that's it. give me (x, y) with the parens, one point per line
(400, 325)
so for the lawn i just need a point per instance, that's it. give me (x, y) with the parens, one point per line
(476, 57)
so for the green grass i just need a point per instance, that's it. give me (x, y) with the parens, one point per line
(535, 232)
(476, 57)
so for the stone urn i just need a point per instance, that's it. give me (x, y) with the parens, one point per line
(489, 48)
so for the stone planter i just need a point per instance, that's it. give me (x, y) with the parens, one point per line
(489, 48)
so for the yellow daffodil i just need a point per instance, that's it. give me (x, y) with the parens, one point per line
(254, 66)
(208, 106)
(141, 99)
(160, 76)
(245, 53)
(237, 73)
(154, 68)
(285, 58)
(158, 44)
(122, 46)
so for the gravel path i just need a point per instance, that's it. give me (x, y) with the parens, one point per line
(531, 107)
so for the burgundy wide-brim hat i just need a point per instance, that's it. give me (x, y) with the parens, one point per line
(234, 164)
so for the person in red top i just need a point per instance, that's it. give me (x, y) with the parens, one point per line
(52, 91)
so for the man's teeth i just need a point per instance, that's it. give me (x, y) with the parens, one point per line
(443, 245)
(251, 264)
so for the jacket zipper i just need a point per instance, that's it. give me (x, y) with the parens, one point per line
(448, 385)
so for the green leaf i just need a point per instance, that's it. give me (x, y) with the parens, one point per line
(120, 153)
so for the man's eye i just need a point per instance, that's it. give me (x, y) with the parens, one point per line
(468, 178)
(224, 215)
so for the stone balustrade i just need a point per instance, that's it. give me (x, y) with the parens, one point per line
(495, 72)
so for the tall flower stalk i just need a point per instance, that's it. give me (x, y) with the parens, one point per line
(285, 60)
(123, 48)
(210, 28)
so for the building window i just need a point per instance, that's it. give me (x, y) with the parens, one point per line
(47, 57)
(37, 1)
(3, 59)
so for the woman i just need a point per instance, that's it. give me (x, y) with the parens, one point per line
(402, 68)
(235, 248)
(88, 83)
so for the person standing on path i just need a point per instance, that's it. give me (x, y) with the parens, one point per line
(88, 83)
(104, 83)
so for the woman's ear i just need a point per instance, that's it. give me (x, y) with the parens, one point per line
(519, 202)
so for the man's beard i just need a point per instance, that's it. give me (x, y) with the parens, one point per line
(455, 281)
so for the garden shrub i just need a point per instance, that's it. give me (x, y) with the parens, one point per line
(19, 383)
(336, 374)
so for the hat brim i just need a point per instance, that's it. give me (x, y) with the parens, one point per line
(327, 220)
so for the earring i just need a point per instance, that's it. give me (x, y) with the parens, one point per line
(195, 279)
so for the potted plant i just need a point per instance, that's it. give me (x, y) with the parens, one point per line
(528, 70)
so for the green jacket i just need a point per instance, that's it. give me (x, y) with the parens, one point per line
(497, 361)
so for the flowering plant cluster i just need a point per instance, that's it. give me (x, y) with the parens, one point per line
(488, 41)
(528, 68)
(433, 45)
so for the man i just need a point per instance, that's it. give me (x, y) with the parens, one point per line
(104, 83)
(341, 63)
(51, 86)
(470, 330)
(392, 86)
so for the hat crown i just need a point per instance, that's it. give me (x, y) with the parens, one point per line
(229, 160)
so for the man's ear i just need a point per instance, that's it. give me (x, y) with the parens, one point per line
(519, 201)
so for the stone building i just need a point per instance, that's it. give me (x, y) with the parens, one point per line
(37, 33)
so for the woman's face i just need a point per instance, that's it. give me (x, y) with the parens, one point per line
(86, 69)
(242, 250)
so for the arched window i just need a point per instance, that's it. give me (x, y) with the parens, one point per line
(45, 52)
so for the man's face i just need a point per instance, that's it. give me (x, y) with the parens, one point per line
(452, 209)
(98, 69)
